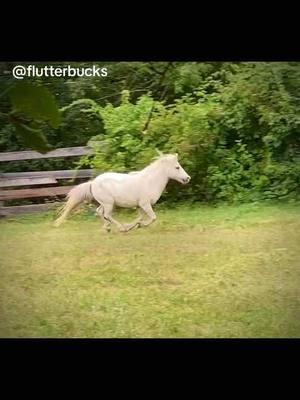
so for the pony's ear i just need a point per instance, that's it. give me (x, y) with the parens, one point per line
(176, 155)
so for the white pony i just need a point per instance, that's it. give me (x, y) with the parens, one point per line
(137, 189)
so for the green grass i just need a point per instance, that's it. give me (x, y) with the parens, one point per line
(196, 272)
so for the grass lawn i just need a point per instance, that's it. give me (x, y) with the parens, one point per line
(230, 271)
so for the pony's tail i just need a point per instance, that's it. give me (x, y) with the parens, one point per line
(76, 196)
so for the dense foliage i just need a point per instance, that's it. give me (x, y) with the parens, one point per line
(234, 125)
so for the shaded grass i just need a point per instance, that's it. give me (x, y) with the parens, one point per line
(197, 272)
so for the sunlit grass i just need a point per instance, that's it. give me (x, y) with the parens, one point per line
(197, 272)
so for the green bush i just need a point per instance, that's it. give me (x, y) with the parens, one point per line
(236, 135)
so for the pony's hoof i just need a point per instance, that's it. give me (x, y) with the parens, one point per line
(137, 226)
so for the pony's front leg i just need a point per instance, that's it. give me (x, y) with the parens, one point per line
(150, 213)
(135, 223)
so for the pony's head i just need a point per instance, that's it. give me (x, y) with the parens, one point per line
(174, 169)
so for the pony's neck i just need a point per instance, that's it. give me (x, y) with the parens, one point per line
(156, 177)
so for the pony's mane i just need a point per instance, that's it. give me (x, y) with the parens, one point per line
(157, 160)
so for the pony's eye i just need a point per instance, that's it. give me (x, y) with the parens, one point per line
(177, 167)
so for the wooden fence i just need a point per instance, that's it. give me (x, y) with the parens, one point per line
(38, 184)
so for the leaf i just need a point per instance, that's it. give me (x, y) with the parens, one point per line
(35, 102)
(32, 138)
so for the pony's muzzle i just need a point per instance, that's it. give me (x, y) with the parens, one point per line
(187, 179)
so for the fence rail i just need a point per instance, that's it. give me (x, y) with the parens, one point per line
(39, 183)
(34, 155)
(63, 174)
(31, 208)
(31, 193)
(26, 182)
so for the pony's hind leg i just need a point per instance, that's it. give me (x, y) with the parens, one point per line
(107, 224)
(107, 211)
